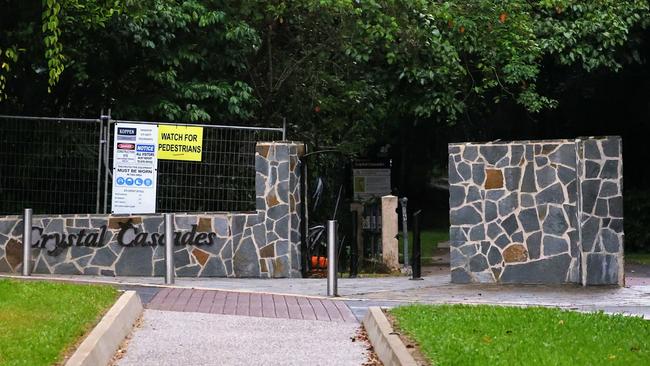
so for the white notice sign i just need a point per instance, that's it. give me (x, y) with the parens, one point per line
(135, 168)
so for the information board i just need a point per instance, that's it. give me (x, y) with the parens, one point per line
(180, 142)
(135, 168)
(371, 179)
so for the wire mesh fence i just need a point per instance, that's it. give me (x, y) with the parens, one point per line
(63, 165)
(224, 179)
(49, 164)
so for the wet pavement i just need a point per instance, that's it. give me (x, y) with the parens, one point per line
(434, 288)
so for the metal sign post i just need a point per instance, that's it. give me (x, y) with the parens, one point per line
(332, 269)
(169, 249)
(27, 242)
(405, 232)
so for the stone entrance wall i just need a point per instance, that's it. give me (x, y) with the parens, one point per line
(537, 212)
(265, 243)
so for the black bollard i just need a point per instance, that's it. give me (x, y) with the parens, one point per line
(417, 252)
(354, 250)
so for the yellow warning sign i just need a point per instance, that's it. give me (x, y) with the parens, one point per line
(180, 142)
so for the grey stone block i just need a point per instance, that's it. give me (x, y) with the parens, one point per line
(473, 194)
(510, 224)
(470, 153)
(528, 181)
(528, 219)
(516, 152)
(494, 230)
(103, 257)
(565, 155)
(534, 245)
(508, 204)
(552, 270)
(490, 209)
(611, 147)
(565, 174)
(616, 206)
(135, 261)
(602, 269)
(555, 223)
(67, 268)
(478, 263)
(478, 174)
(456, 196)
(189, 271)
(464, 170)
(591, 150)
(610, 170)
(214, 267)
(459, 275)
(512, 177)
(545, 176)
(610, 240)
(493, 153)
(246, 259)
(552, 194)
(494, 256)
(592, 169)
(477, 233)
(466, 215)
(553, 245)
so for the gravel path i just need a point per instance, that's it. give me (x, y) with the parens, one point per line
(181, 338)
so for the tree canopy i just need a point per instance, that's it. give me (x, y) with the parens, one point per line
(341, 72)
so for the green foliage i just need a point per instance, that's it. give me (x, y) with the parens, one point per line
(493, 335)
(39, 321)
(341, 72)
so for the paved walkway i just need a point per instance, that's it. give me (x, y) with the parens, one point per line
(251, 304)
(190, 338)
(435, 288)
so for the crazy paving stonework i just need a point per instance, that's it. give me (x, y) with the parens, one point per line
(262, 244)
(537, 212)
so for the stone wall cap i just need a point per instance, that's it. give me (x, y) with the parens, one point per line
(546, 141)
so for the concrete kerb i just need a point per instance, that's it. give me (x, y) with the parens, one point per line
(387, 344)
(103, 341)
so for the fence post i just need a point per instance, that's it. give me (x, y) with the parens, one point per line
(331, 259)
(405, 232)
(169, 249)
(417, 252)
(27, 242)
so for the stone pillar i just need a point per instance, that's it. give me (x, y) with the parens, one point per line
(389, 244)
(600, 172)
(278, 206)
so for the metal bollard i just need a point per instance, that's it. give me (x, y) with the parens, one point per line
(332, 269)
(405, 232)
(354, 250)
(169, 249)
(417, 250)
(27, 242)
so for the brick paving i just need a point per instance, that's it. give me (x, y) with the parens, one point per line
(251, 304)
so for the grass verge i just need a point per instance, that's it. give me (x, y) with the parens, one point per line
(493, 335)
(41, 321)
(429, 240)
(637, 258)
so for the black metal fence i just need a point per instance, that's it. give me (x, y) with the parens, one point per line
(63, 165)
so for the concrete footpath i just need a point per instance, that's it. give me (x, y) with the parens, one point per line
(435, 288)
(189, 338)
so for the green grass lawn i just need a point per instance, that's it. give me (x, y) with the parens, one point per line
(429, 240)
(637, 258)
(39, 321)
(492, 335)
